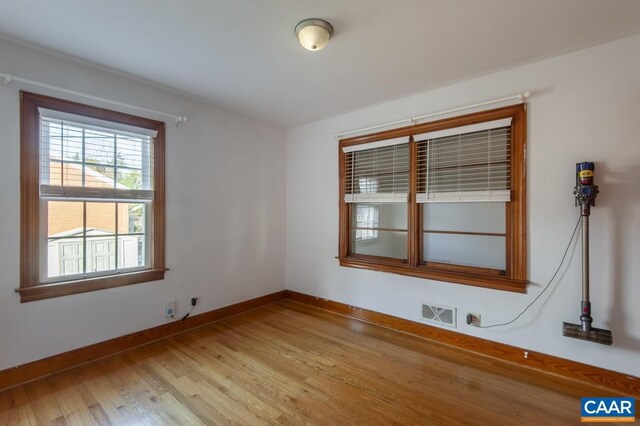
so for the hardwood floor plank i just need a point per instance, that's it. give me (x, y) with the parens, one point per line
(438, 370)
(278, 356)
(327, 374)
(43, 402)
(108, 397)
(21, 412)
(267, 383)
(460, 357)
(364, 377)
(6, 405)
(68, 393)
(190, 394)
(291, 363)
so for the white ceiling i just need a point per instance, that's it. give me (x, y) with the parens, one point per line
(242, 54)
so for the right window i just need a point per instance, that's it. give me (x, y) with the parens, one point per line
(449, 199)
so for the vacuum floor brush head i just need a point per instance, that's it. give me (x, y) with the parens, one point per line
(597, 335)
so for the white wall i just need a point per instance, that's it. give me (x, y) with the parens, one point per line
(225, 215)
(585, 107)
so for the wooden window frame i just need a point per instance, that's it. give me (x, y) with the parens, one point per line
(515, 275)
(31, 286)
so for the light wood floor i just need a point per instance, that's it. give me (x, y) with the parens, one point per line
(289, 363)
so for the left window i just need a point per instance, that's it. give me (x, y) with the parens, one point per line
(92, 198)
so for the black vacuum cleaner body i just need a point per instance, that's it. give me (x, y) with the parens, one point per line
(586, 192)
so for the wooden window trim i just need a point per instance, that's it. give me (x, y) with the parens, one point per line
(515, 274)
(31, 286)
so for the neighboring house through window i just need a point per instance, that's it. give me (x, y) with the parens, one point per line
(367, 222)
(92, 198)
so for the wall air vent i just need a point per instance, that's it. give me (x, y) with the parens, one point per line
(438, 314)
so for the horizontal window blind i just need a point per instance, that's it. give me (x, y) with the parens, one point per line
(96, 123)
(377, 173)
(72, 192)
(83, 160)
(465, 164)
(377, 144)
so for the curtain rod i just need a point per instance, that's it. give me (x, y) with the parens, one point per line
(7, 79)
(522, 97)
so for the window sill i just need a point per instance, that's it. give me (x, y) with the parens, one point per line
(493, 282)
(47, 291)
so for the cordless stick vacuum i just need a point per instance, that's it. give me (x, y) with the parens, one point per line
(586, 192)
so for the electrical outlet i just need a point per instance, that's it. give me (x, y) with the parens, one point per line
(195, 300)
(170, 308)
(473, 319)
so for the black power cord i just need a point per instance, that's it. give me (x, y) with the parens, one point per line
(564, 256)
(194, 302)
(187, 314)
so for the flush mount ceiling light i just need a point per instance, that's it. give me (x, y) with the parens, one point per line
(314, 34)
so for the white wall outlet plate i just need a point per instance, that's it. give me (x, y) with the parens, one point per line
(170, 308)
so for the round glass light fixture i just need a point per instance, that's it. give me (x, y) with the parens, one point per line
(314, 34)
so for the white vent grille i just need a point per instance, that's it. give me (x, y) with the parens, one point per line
(438, 314)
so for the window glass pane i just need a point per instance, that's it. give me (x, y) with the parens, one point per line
(101, 218)
(131, 251)
(130, 151)
(97, 176)
(66, 247)
(65, 218)
(64, 242)
(66, 174)
(72, 144)
(468, 250)
(393, 215)
(367, 218)
(65, 257)
(386, 244)
(101, 254)
(131, 218)
(51, 173)
(380, 215)
(379, 229)
(79, 155)
(99, 147)
(465, 217)
(129, 178)
(64, 142)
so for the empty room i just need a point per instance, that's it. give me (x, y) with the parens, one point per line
(362, 212)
